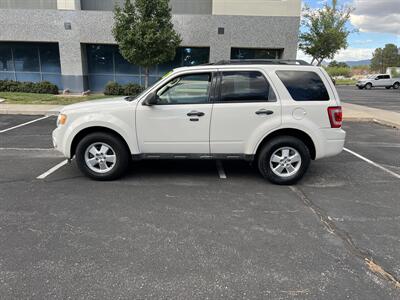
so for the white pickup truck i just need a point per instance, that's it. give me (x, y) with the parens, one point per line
(378, 80)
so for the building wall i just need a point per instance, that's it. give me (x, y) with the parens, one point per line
(94, 27)
(29, 4)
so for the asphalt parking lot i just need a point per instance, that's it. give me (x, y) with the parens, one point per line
(178, 229)
(376, 98)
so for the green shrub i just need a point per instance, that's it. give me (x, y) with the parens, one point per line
(43, 87)
(132, 89)
(113, 88)
(116, 89)
(338, 71)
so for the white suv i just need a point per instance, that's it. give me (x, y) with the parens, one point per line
(278, 114)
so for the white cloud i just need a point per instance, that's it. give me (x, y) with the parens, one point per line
(377, 16)
(349, 54)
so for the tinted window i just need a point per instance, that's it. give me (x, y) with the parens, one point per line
(189, 89)
(248, 86)
(250, 53)
(303, 85)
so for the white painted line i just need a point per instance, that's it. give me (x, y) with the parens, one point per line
(373, 163)
(220, 169)
(52, 170)
(24, 124)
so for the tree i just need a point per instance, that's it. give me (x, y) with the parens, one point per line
(145, 34)
(326, 31)
(384, 58)
(336, 64)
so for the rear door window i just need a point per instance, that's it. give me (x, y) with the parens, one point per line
(245, 86)
(304, 85)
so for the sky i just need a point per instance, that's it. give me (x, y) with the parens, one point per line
(377, 22)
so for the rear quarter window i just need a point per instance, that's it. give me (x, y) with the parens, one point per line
(304, 85)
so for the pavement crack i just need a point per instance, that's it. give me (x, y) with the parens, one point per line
(372, 264)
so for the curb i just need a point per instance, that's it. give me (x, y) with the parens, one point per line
(373, 120)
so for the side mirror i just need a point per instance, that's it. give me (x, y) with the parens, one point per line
(151, 99)
(376, 78)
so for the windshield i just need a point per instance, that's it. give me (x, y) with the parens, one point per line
(132, 98)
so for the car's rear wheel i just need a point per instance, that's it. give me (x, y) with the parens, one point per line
(368, 86)
(388, 87)
(396, 86)
(284, 160)
(102, 156)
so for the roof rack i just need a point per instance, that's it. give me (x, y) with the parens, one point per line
(262, 62)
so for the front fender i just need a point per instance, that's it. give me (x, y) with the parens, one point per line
(125, 129)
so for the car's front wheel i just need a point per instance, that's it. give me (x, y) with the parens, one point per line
(368, 86)
(284, 160)
(102, 156)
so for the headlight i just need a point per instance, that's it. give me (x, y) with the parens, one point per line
(62, 119)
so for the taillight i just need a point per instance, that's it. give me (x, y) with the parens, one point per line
(335, 116)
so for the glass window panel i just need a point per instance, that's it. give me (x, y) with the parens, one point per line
(50, 58)
(124, 67)
(7, 76)
(26, 58)
(152, 79)
(98, 82)
(6, 63)
(195, 56)
(127, 79)
(304, 85)
(32, 77)
(244, 87)
(188, 89)
(100, 59)
(250, 53)
(53, 78)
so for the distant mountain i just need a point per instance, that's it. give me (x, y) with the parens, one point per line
(365, 62)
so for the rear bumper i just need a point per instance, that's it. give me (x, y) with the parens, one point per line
(333, 144)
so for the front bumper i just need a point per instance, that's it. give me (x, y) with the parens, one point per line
(58, 141)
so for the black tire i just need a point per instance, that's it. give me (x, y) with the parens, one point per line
(396, 85)
(122, 154)
(388, 87)
(360, 88)
(271, 147)
(368, 86)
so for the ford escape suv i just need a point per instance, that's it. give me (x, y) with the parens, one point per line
(278, 114)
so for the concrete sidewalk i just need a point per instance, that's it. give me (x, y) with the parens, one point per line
(351, 112)
(29, 109)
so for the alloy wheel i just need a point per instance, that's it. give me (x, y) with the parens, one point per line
(285, 162)
(100, 157)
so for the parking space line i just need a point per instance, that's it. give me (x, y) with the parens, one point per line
(53, 169)
(372, 163)
(220, 169)
(24, 124)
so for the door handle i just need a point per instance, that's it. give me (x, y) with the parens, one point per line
(195, 114)
(264, 112)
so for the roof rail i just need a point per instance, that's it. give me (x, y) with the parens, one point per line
(262, 62)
